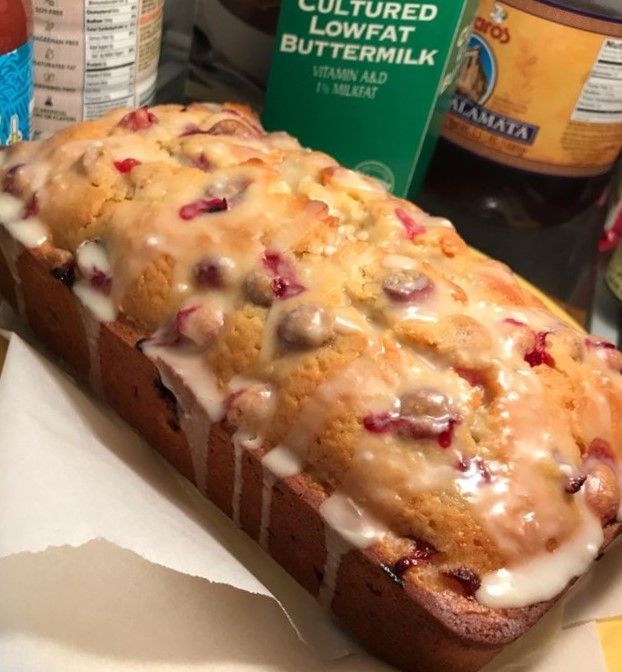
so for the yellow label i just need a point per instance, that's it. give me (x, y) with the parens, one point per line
(610, 633)
(540, 89)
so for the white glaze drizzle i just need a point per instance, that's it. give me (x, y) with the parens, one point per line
(544, 576)
(347, 525)
(92, 328)
(245, 439)
(241, 441)
(344, 324)
(282, 462)
(100, 305)
(359, 528)
(200, 401)
(399, 261)
(336, 549)
(91, 256)
(195, 374)
(30, 232)
(269, 341)
(20, 233)
(11, 208)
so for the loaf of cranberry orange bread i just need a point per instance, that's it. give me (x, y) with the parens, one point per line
(405, 429)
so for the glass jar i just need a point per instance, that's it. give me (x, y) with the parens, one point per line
(531, 137)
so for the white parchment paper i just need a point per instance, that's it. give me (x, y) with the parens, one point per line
(71, 472)
(112, 561)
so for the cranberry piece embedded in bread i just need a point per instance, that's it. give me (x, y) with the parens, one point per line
(600, 449)
(250, 407)
(411, 228)
(274, 262)
(602, 492)
(202, 206)
(139, 119)
(514, 322)
(534, 343)
(284, 288)
(285, 285)
(379, 423)
(475, 466)
(422, 550)
(424, 414)
(594, 343)
(425, 401)
(307, 326)
(178, 327)
(31, 209)
(232, 127)
(279, 280)
(94, 266)
(203, 163)
(192, 129)
(427, 414)
(9, 183)
(468, 579)
(539, 354)
(423, 426)
(446, 437)
(406, 286)
(126, 165)
(214, 272)
(573, 484)
(200, 324)
(258, 288)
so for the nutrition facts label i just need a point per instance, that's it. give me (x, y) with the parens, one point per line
(601, 97)
(91, 56)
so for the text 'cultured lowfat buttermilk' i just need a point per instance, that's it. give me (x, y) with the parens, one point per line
(336, 27)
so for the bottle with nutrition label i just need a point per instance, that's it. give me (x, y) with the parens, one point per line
(92, 56)
(15, 70)
(533, 131)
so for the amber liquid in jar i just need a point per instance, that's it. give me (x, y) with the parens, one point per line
(538, 217)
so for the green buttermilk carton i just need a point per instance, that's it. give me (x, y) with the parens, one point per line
(368, 81)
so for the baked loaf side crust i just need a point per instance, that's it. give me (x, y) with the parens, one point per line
(329, 366)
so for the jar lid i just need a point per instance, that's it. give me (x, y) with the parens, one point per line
(610, 10)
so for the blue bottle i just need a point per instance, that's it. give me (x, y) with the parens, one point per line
(16, 89)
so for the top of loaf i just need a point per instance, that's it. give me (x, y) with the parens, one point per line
(448, 413)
